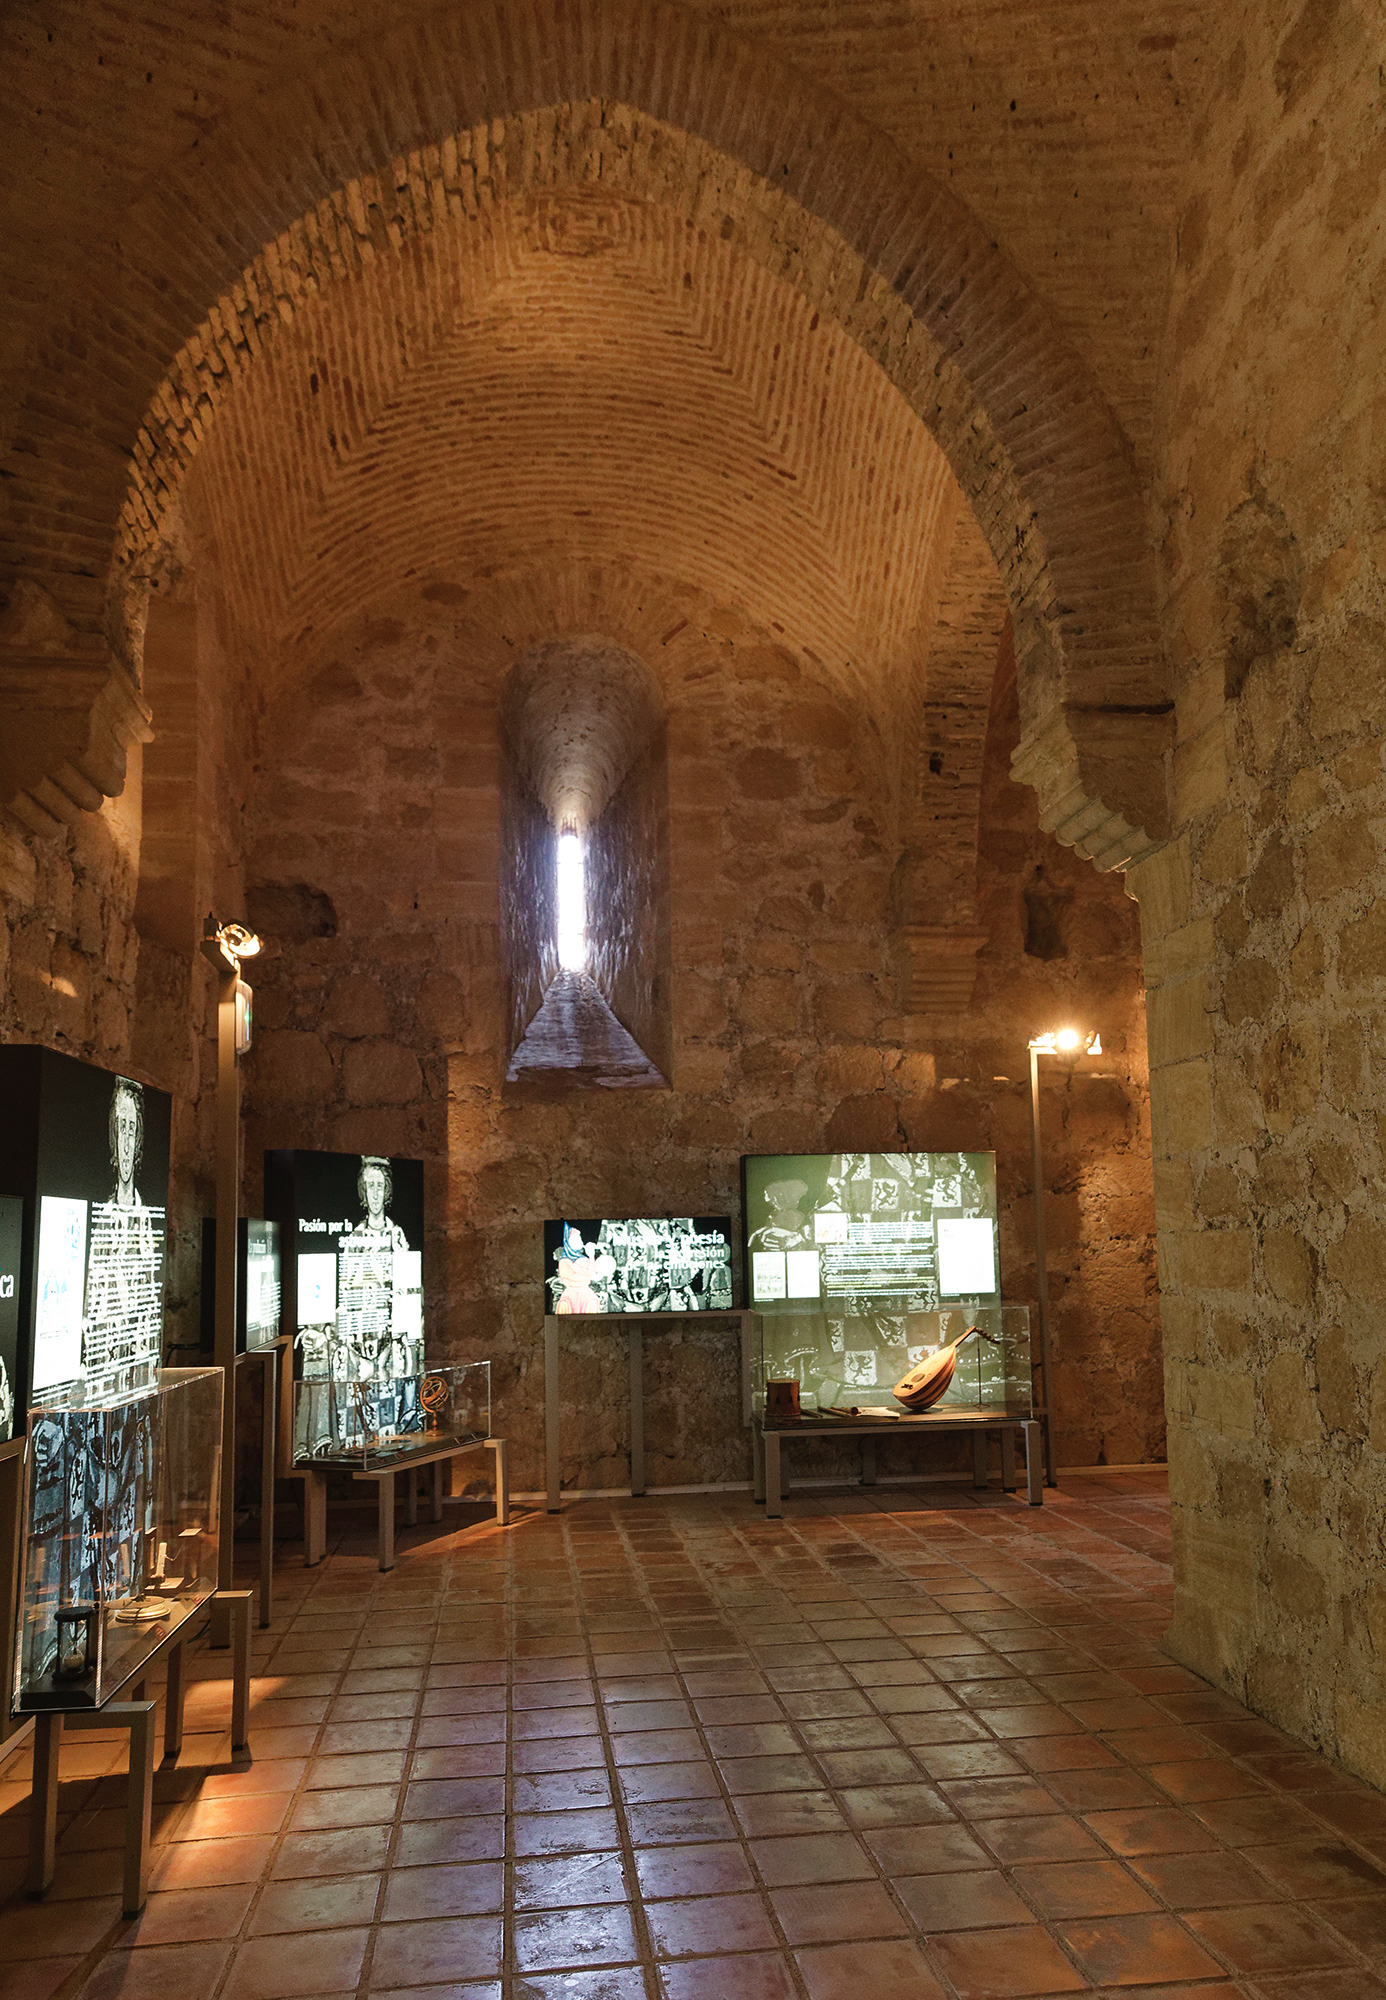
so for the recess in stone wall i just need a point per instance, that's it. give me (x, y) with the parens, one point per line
(585, 769)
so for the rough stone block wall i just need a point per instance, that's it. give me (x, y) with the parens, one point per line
(628, 904)
(1263, 928)
(788, 1033)
(528, 906)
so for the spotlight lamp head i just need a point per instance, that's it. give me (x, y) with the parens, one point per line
(227, 944)
(1067, 1042)
(240, 942)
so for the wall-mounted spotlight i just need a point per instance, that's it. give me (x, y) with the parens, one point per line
(226, 945)
(1067, 1042)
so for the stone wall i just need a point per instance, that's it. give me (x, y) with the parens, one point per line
(1263, 925)
(787, 1029)
(528, 904)
(628, 903)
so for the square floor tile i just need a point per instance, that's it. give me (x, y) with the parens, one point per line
(162, 1972)
(974, 1900)
(718, 1868)
(1082, 1889)
(1159, 1831)
(1204, 1881)
(457, 1889)
(925, 1850)
(894, 1971)
(315, 1902)
(789, 1812)
(829, 1913)
(762, 1977)
(279, 1968)
(1302, 1869)
(646, 1783)
(666, 1821)
(1137, 1951)
(994, 1965)
(449, 1948)
(430, 1841)
(711, 1923)
(596, 1935)
(788, 1859)
(570, 1881)
(1267, 1938)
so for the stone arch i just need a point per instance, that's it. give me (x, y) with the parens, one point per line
(471, 102)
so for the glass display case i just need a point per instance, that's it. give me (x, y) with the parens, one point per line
(388, 1420)
(120, 1534)
(953, 1361)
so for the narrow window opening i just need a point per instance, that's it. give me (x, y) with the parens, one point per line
(584, 877)
(571, 887)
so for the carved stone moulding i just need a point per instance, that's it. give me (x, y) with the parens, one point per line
(942, 968)
(66, 726)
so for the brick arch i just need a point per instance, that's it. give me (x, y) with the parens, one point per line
(583, 373)
(360, 158)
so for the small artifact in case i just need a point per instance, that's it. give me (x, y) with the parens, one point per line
(782, 1402)
(966, 1359)
(389, 1419)
(76, 1629)
(932, 1378)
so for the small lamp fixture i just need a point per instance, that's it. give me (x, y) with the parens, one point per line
(226, 945)
(231, 942)
(1067, 1042)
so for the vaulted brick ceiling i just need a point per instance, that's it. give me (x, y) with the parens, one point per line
(1007, 175)
(1062, 122)
(576, 378)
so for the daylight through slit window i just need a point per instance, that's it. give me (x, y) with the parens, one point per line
(572, 901)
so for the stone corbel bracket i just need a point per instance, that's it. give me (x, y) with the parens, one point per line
(66, 728)
(942, 967)
(1102, 778)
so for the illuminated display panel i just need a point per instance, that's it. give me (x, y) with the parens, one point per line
(850, 1257)
(638, 1264)
(86, 1153)
(353, 1228)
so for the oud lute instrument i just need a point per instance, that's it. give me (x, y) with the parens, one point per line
(932, 1377)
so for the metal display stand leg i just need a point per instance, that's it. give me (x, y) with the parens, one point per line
(773, 1507)
(1034, 1469)
(385, 1491)
(758, 1461)
(637, 1412)
(868, 1461)
(139, 1718)
(551, 1413)
(979, 1459)
(238, 1603)
(268, 1448)
(139, 1801)
(1007, 1459)
(173, 1701)
(43, 1806)
(411, 1498)
(435, 1489)
(314, 1517)
(496, 1446)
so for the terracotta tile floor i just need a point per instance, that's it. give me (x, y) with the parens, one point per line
(894, 1747)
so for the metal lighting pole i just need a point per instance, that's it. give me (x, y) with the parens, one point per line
(1041, 1265)
(224, 945)
(1063, 1041)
